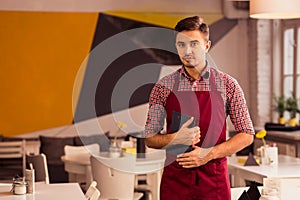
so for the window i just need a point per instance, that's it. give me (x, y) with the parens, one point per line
(291, 58)
(298, 64)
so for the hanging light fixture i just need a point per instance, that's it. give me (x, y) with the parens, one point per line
(275, 9)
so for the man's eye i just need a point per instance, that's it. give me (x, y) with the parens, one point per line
(194, 44)
(180, 44)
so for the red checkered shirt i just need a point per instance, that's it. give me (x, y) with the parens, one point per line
(231, 92)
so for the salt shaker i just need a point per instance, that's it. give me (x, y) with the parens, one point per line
(19, 186)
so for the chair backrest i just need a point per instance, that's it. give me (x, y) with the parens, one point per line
(40, 167)
(91, 148)
(92, 192)
(113, 183)
(15, 149)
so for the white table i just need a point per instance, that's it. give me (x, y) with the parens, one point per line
(288, 167)
(45, 192)
(152, 165)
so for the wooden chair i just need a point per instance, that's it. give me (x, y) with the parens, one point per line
(12, 150)
(40, 167)
(92, 192)
(114, 178)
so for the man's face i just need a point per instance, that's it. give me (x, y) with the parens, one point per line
(192, 47)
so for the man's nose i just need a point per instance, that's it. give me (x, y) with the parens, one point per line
(188, 49)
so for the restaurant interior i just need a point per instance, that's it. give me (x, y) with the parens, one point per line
(75, 83)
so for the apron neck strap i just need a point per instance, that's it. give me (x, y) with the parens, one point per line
(212, 81)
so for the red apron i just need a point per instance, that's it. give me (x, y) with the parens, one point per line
(211, 181)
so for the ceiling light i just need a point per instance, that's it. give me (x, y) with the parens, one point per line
(275, 9)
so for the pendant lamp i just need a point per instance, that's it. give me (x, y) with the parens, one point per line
(275, 9)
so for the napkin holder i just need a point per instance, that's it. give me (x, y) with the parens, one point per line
(251, 161)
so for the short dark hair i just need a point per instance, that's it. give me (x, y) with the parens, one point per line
(191, 24)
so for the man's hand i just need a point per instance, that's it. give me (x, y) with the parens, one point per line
(197, 157)
(186, 135)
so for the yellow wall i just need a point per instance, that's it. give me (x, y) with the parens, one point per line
(40, 55)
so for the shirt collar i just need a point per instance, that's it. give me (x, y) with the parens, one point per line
(204, 74)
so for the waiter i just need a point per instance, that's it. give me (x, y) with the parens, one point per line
(195, 102)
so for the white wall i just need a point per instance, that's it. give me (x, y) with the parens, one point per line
(230, 55)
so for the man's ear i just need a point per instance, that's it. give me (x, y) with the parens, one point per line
(207, 46)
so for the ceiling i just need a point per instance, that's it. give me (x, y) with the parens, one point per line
(154, 6)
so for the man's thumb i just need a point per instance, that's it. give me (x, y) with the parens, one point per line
(188, 122)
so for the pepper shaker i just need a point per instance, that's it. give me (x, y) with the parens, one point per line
(30, 178)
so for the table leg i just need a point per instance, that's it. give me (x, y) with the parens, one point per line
(236, 181)
(89, 176)
(153, 180)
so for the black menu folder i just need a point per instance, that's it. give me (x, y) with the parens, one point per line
(178, 119)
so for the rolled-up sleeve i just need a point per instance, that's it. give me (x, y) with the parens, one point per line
(156, 113)
(237, 108)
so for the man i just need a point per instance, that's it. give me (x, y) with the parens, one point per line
(196, 167)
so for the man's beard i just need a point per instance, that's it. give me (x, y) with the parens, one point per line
(189, 66)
